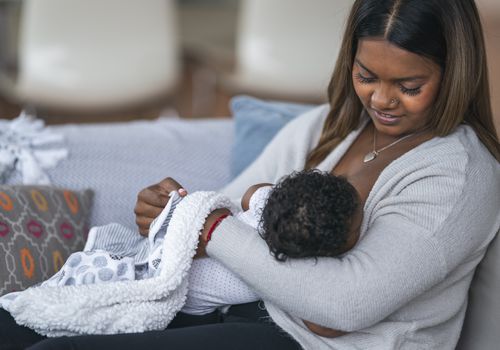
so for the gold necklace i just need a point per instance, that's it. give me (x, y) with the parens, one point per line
(373, 154)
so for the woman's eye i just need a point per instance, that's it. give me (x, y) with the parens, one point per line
(364, 80)
(410, 92)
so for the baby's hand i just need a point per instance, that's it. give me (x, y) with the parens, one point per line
(245, 200)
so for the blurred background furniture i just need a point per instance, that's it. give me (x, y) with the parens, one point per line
(95, 56)
(108, 52)
(286, 49)
(211, 30)
(211, 37)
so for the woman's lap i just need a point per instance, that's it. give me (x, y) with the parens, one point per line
(233, 332)
(221, 336)
(13, 336)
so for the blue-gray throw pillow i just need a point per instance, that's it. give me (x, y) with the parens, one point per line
(256, 123)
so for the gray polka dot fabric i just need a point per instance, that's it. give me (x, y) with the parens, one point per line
(93, 267)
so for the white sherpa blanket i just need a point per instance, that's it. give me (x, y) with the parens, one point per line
(124, 306)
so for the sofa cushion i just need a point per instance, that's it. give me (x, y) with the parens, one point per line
(256, 122)
(40, 226)
(117, 160)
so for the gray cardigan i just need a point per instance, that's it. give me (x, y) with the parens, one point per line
(427, 222)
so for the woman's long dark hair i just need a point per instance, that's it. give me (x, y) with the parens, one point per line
(446, 31)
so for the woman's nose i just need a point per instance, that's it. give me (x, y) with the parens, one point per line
(381, 98)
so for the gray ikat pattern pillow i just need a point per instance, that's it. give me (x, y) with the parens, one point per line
(40, 226)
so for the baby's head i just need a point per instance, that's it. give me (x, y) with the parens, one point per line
(310, 214)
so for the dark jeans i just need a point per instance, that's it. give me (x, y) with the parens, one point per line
(246, 326)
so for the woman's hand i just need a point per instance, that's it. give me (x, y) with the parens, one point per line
(323, 331)
(152, 200)
(211, 218)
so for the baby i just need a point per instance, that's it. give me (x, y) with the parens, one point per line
(307, 214)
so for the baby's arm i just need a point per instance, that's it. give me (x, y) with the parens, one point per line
(211, 286)
(245, 200)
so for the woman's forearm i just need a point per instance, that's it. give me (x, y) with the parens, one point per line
(211, 221)
(346, 294)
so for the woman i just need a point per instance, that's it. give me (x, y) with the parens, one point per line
(410, 123)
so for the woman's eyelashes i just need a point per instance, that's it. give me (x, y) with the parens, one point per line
(364, 80)
(408, 91)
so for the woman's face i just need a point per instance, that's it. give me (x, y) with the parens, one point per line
(396, 87)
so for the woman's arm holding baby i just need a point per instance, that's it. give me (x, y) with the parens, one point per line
(356, 291)
(201, 252)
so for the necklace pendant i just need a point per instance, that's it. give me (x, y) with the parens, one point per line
(370, 156)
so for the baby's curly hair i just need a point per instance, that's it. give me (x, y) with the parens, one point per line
(309, 214)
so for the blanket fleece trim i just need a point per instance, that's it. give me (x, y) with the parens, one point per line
(124, 306)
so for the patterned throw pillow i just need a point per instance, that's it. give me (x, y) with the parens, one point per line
(40, 226)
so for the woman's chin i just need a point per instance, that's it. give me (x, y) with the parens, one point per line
(393, 128)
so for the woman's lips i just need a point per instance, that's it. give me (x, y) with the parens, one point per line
(387, 119)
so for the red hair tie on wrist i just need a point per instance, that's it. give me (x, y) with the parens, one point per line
(214, 225)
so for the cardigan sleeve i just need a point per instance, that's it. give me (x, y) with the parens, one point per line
(407, 248)
(374, 280)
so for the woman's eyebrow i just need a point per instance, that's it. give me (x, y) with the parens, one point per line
(411, 78)
(364, 67)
